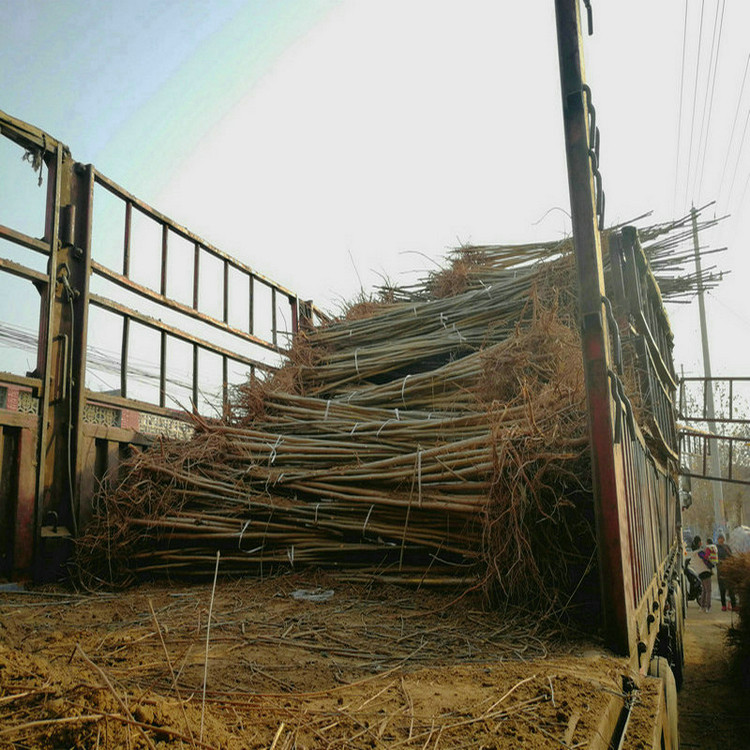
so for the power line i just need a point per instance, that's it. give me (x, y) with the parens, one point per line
(734, 125)
(744, 192)
(739, 157)
(679, 111)
(715, 63)
(695, 99)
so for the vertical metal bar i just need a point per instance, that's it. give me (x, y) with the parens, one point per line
(124, 356)
(616, 583)
(251, 292)
(195, 377)
(294, 305)
(226, 292)
(126, 239)
(731, 397)
(196, 274)
(196, 296)
(164, 253)
(26, 499)
(84, 197)
(163, 290)
(163, 370)
(225, 384)
(46, 335)
(274, 337)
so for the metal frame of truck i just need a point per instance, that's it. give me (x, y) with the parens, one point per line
(56, 447)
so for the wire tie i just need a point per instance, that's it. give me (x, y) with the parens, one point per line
(387, 421)
(369, 512)
(356, 424)
(356, 363)
(272, 456)
(242, 531)
(397, 416)
(328, 406)
(290, 555)
(403, 385)
(317, 505)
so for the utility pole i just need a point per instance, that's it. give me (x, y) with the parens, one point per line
(716, 487)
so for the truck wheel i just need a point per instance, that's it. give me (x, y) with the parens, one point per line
(659, 667)
(677, 628)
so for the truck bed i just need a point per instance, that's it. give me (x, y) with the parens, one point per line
(303, 661)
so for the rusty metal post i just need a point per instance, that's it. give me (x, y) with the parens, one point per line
(63, 347)
(607, 466)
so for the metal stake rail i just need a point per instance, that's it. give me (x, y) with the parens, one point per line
(57, 438)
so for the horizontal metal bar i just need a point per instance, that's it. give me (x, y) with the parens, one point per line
(713, 478)
(26, 135)
(715, 420)
(117, 434)
(160, 299)
(23, 272)
(157, 325)
(188, 235)
(9, 378)
(19, 419)
(107, 399)
(19, 238)
(717, 378)
(695, 435)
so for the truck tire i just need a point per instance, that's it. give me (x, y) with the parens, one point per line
(659, 667)
(677, 627)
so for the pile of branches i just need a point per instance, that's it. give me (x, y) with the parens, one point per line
(435, 437)
(736, 572)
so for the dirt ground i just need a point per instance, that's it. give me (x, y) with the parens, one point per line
(713, 711)
(293, 662)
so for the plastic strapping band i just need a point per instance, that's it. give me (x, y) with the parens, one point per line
(397, 416)
(328, 406)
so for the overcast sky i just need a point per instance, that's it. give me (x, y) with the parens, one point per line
(330, 144)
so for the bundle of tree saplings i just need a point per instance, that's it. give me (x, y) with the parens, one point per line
(434, 436)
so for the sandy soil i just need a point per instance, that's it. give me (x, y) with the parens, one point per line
(366, 667)
(714, 712)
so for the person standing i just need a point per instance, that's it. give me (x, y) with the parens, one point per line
(725, 552)
(702, 567)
